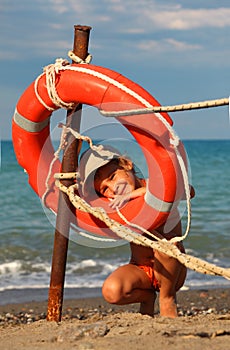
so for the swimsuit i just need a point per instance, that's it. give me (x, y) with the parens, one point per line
(148, 269)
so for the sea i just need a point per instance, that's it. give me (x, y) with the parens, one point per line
(27, 232)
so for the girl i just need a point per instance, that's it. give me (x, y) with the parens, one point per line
(112, 176)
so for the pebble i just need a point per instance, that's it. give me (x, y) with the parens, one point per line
(193, 311)
(20, 318)
(95, 314)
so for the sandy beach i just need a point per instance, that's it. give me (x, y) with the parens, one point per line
(91, 323)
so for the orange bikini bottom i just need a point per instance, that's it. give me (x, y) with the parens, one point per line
(150, 273)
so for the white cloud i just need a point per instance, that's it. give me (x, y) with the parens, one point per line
(138, 14)
(170, 15)
(45, 27)
(178, 18)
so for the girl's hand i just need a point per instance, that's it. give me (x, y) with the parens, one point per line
(119, 200)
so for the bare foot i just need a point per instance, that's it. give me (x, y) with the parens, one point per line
(168, 307)
(147, 308)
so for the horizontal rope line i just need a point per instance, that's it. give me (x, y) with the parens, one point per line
(173, 108)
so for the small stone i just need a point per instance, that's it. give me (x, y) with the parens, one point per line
(210, 311)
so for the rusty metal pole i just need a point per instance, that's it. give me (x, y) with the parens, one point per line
(69, 164)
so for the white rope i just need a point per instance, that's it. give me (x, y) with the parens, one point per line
(164, 246)
(175, 141)
(96, 238)
(77, 59)
(174, 108)
(38, 96)
(187, 196)
(72, 175)
(155, 235)
(55, 157)
(66, 176)
(51, 71)
(62, 64)
(88, 71)
(78, 136)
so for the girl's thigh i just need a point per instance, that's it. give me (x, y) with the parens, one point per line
(131, 277)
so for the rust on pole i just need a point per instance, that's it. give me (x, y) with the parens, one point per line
(69, 164)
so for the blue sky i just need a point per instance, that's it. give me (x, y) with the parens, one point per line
(178, 50)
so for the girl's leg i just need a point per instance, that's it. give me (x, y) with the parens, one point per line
(129, 284)
(171, 275)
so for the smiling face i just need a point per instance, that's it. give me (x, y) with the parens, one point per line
(113, 179)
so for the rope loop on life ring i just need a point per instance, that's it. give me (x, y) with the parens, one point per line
(77, 59)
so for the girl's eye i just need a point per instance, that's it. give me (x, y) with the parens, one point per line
(112, 176)
(104, 190)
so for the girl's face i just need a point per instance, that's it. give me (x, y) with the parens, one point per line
(111, 180)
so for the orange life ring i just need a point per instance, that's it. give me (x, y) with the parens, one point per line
(108, 90)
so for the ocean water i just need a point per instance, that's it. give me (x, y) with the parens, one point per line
(26, 233)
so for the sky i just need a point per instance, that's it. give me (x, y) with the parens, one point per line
(177, 50)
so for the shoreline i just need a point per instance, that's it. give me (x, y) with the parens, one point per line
(91, 323)
(40, 294)
(26, 295)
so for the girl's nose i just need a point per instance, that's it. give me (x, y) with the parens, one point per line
(111, 185)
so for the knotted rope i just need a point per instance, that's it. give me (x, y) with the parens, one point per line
(51, 71)
(77, 59)
(162, 245)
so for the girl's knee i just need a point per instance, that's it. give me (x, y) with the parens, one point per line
(112, 291)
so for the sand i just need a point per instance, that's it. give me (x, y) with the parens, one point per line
(203, 323)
